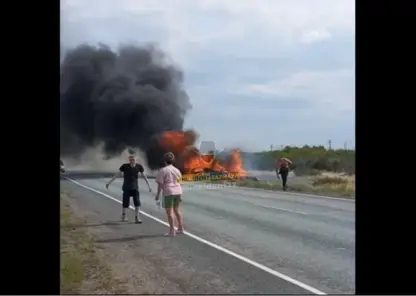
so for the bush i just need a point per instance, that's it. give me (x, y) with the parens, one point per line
(329, 181)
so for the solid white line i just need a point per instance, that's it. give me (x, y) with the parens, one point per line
(281, 209)
(215, 246)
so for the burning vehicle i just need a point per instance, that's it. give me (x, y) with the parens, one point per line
(197, 166)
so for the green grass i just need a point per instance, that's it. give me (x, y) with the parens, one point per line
(83, 268)
(330, 186)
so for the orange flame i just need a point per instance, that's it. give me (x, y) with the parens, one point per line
(193, 161)
(235, 164)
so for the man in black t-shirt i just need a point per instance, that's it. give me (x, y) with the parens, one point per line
(130, 187)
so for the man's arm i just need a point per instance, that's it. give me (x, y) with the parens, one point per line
(141, 170)
(116, 175)
(278, 168)
(289, 161)
(147, 181)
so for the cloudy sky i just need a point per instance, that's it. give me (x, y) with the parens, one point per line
(258, 72)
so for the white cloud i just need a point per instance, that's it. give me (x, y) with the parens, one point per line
(314, 36)
(332, 88)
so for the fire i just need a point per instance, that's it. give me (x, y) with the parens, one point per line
(235, 164)
(178, 142)
(191, 161)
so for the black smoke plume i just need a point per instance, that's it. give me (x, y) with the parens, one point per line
(122, 99)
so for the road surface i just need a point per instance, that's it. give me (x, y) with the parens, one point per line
(288, 243)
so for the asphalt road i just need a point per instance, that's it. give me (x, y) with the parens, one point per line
(309, 239)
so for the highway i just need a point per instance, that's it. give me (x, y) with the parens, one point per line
(287, 243)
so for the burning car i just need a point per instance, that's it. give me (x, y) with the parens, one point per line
(193, 164)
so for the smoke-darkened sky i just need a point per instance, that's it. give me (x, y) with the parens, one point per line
(121, 98)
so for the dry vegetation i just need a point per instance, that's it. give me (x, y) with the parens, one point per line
(327, 183)
(83, 268)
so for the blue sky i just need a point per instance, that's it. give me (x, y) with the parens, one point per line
(258, 72)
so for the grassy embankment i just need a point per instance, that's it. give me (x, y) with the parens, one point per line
(83, 267)
(324, 183)
(330, 184)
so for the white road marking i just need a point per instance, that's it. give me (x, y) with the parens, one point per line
(280, 209)
(215, 246)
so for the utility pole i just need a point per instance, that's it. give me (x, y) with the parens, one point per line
(345, 145)
(271, 147)
(329, 145)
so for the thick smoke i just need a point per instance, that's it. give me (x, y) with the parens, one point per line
(119, 100)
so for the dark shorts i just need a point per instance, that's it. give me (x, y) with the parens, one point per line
(171, 201)
(135, 194)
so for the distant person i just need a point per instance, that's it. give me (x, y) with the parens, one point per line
(282, 168)
(62, 166)
(168, 181)
(130, 187)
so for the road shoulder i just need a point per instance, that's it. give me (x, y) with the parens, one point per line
(136, 274)
(84, 269)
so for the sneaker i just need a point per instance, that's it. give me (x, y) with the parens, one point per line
(137, 220)
(180, 231)
(124, 218)
(170, 234)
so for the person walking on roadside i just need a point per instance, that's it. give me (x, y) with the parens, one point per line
(168, 181)
(282, 168)
(130, 172)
